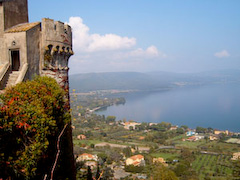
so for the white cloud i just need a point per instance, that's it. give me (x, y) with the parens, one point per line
(222, 54)
(107, 52)
(84, 41)
(150, 52)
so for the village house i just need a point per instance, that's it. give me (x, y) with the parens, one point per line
(87, 157)
(137, 160)
(173, 128)
(151, 124)
(236, 156)
(195, 138)
(213, 137)
(159, 160)
(81, 137)
(128, 125)
(217, 132)
(190, 133)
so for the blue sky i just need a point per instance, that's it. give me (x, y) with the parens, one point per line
(152, 35)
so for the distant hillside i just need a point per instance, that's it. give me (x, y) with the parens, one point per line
(148, 81)
(112, 80)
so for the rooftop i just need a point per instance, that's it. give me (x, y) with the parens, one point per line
(22, 27)
(136, 157)
(88, 155)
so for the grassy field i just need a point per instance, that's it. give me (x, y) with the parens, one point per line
(164, 155)
(191, 145)
(213, 166)
(87, 142)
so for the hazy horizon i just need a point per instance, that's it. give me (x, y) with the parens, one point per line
(213, 70)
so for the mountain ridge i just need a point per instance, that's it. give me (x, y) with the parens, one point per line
(86, 82)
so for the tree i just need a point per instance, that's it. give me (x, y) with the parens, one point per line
(201, 130)
(180, 131)
(107, 173)
(98, 172)
(89, 174)
(92, 146)
(32, 116)
(187, 155)
(103, 156)
(160, 172)
(236, 171)
(131, 128)
(111, 119)
(184, 127)
(134, 169)
(127, 151)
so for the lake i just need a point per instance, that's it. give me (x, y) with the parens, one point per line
(216, 106)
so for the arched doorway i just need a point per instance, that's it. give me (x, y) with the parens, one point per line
(15, 58)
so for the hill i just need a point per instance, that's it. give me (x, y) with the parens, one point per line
(148, 81)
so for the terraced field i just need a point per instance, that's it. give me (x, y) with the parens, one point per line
(213, 166)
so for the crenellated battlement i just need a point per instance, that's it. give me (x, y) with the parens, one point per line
(56, 32)
(56, 57)
(56, 45)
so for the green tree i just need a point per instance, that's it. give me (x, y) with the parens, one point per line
(110, 119)
(180, 130)
(32, 116)
(134, 169)
(201, 130)
(98, 172)
(184, 127)
(160, 172)
(103, 156)
(89, 173)
(107, 173)
(127, 151)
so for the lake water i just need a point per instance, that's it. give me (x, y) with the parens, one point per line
(216, 106)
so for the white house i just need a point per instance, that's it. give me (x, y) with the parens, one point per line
(137, 160)
(87, 157)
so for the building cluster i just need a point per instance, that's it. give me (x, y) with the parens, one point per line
(137, 160)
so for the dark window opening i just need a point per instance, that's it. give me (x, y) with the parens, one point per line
(15, 56)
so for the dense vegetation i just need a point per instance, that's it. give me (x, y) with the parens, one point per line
(33, 114)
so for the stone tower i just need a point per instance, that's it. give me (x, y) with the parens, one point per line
(12, 12)
(56, 50)
(38, 48)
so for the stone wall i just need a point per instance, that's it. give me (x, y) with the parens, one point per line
(1, 20)
(56, 50)
(19, 40)
(15, 12)
(33, 51)
(1, 30)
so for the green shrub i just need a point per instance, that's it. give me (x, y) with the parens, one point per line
(32, 115)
